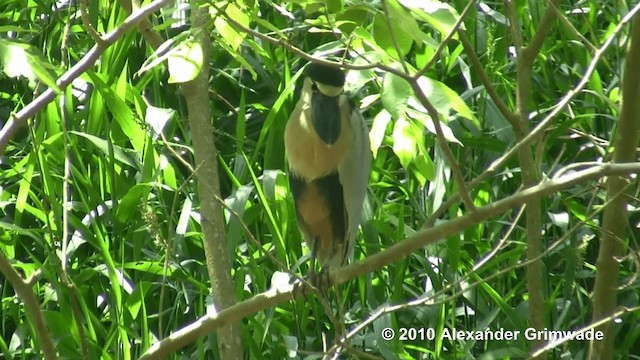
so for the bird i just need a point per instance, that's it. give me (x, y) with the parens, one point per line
(329, 156)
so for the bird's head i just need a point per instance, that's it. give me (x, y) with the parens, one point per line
(328, 80)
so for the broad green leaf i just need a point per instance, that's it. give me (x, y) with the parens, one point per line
(444, 99)
(425, 169)
(228, 32)
(185, 62)
(595, 83)
(18, 59)
(404, 141)
(403, 20)
(9, 250)
(364, 42)
(438, 14)
(8, 28)
(321, 6)
(395, 94)
(425, 119)
(25, 187)
(382, 33)
(162, 53)
(151, 267)
(351, 18)
(378, 129)
(121, 112)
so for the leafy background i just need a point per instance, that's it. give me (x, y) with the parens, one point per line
(121, 264)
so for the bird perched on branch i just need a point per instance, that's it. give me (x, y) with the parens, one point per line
(328, 151)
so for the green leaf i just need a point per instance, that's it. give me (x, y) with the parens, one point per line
(404, 142)
(129, 203)
(228, 32)
(425, 169)
(18, 59)
(121, 113)
(395, 94)
(425, 119)
(402, 20)
(444, 99)
(162, 53)
(383, 37)
(438, 14)
(185, 62)
(378, 129)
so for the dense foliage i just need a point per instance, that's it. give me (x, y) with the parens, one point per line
(99, 208)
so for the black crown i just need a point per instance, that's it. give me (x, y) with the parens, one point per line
(327, 75)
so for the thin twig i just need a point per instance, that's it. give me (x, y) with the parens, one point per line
(442, 141)
(484, 78)
(84, 16)
(392, 35)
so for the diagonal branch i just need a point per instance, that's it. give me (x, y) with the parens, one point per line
(484, 78)
(274, 296)
(25, 293)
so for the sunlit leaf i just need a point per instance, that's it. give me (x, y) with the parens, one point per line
(17, 59)
(404, 141)
(185, 62)
(228, 32)
(444, 99)
(438, 14)
(157, 118)
(425, 119)
(378, 129)
(424, 167)
(402, 19)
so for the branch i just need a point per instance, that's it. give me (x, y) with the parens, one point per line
(451, 159)
(274, 296)
(25, 293)
(614, 220)
(453, 290)
(532, 50)
(566, 23)
(304, 55)
(144, 25)
(392, 35)
(479, 70)
(84, 16)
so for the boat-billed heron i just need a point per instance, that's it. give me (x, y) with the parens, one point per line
(327, 146)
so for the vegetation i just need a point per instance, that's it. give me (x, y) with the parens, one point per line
(143, 183)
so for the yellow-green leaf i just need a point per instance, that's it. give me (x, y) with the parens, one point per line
(185, 62)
